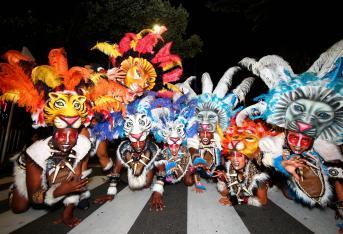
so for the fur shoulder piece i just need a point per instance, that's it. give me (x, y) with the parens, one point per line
(82, 147)
(271, 147)
(330, 152)
(40, 151)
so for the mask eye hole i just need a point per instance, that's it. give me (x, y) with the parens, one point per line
(59, 103)
(77, 105)
(323, 115)
(250, 139)
(298, 108)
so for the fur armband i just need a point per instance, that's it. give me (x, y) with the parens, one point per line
(86, 173)
(112, 189)
(158, 187)
(221, 186)
(108, 165)
(113, 180)
(85, 195)
(278, 166)
(253, 201)
(72, 199)
(49, 196)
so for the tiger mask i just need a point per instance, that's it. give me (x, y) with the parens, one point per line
(244, 140)
(65, 109)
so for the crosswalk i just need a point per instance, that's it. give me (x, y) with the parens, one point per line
(186, 212)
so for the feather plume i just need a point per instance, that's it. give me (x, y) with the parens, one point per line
(173, 75)
(125, 42)
(107, 103)
(164, 56)
(147, 43)
(111, 50)
(13, 79)
(74, 76)
(14, 57)
(58, 60)
(10, 96)
(96, 77)
(47, 75)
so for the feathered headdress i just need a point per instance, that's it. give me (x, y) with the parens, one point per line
(165, 112)
(311, 103)
(250, 131)
(136, 63)
(219, 101)
(24, 86)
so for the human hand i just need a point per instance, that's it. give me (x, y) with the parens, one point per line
(156, 202)
(294, 166)
(74, 184)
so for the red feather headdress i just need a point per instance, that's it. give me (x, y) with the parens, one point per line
(142, 68)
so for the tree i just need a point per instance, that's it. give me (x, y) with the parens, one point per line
(77, 26)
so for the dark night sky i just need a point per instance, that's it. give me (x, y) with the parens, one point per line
(297, 30)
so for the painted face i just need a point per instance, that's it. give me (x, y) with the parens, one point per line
(238, 160)
(309, 117)
(299, 142)
(65, 138)
(206, 137)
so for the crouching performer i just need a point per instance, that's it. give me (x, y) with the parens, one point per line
(138, 154)
(243, 182)
(309, 107)
(213, 112)
(173, 123)
(50, 170)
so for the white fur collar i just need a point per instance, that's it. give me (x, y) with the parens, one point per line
(40, 151)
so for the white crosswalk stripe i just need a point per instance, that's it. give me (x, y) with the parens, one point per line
(206, 215)
(10, 221)
(317, 220)
(112, 216)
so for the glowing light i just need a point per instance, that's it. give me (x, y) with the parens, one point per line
(158, 29)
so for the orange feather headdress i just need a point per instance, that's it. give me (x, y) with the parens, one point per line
(244, 139)
(140, 67)
(19, 85)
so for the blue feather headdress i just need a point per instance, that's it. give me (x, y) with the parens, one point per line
(322, 83)
(166, 112)
(110, 129)
(223, 103)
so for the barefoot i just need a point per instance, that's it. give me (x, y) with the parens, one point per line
(102, 199)
(71, 221)
(68, 217)
(225, 201)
